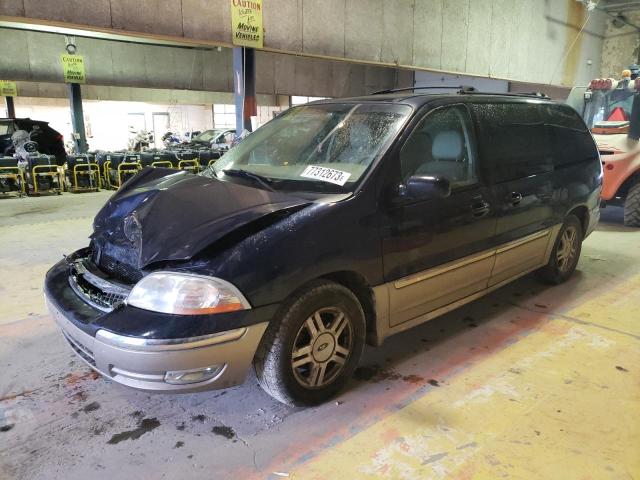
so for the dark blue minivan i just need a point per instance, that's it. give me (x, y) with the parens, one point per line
(337, 223)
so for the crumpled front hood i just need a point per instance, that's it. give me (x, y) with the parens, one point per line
(161, 214)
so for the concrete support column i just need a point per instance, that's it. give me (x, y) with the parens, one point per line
(244, 87)
(11, 108)
(77, 118)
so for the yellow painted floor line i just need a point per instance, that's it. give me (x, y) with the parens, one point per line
(561, 403)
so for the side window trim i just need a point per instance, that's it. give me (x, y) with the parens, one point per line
(472, 138)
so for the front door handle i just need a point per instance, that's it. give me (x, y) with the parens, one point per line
(480, 208)
(515, 198)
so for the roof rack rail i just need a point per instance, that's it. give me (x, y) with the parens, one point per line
(460, 88)
(510, 94)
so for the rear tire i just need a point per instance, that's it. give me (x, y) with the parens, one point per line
(312, 347)
(632, 206)
(565, 254)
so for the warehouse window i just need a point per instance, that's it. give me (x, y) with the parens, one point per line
(298, 100)
(224, 116)
(136, 122)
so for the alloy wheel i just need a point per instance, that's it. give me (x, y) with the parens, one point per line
(322, 347)
(567, 249)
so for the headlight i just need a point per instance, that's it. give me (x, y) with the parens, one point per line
(185, 294)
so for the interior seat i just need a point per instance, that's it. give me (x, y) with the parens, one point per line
(448, 157)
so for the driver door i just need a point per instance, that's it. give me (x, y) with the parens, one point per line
(438, 251)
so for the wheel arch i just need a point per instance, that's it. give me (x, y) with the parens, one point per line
(363, 292)
(582, 212)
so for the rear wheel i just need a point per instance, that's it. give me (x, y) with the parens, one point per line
(565, 254)
(310, 351)
(632, 206)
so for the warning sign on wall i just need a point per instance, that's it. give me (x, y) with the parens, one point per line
(8, 88)
(73, 68)
(246, 23)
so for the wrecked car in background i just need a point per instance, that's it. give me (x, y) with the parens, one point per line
(337, 223)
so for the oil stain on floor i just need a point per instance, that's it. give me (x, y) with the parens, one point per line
(144, 426)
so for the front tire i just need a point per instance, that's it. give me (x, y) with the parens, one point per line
(632, 206)
(312, 347)
(565, 254)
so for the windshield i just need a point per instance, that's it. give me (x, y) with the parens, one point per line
(609, 106)
(207, 136)
(324, 148)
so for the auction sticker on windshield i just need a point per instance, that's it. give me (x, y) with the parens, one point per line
(326, 174)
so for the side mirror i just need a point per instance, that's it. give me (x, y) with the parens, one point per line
(423, 187)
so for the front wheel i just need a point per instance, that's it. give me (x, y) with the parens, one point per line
(310, 351)
(565, 254)
(632, 206)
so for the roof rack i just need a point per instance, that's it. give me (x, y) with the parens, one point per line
(509, 94)
(460, 88)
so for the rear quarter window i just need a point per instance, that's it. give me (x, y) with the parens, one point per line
(6, 128)
(570, 139)
(512, 140)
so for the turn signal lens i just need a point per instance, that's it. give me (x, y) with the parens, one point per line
(186, 294)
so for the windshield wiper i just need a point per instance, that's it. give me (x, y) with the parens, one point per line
(319, 186)
(238, 172)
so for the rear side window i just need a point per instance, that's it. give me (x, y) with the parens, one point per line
(512, 140)
(6, 128)
(570, 139)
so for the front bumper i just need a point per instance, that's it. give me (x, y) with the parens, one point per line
(145, 367)
(138, 348)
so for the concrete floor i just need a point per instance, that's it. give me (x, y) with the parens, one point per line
(529, 382)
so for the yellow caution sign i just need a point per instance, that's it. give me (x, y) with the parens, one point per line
(73, 68)
(246, 23)
(8, 88)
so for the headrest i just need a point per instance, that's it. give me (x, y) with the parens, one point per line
(447, 145)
